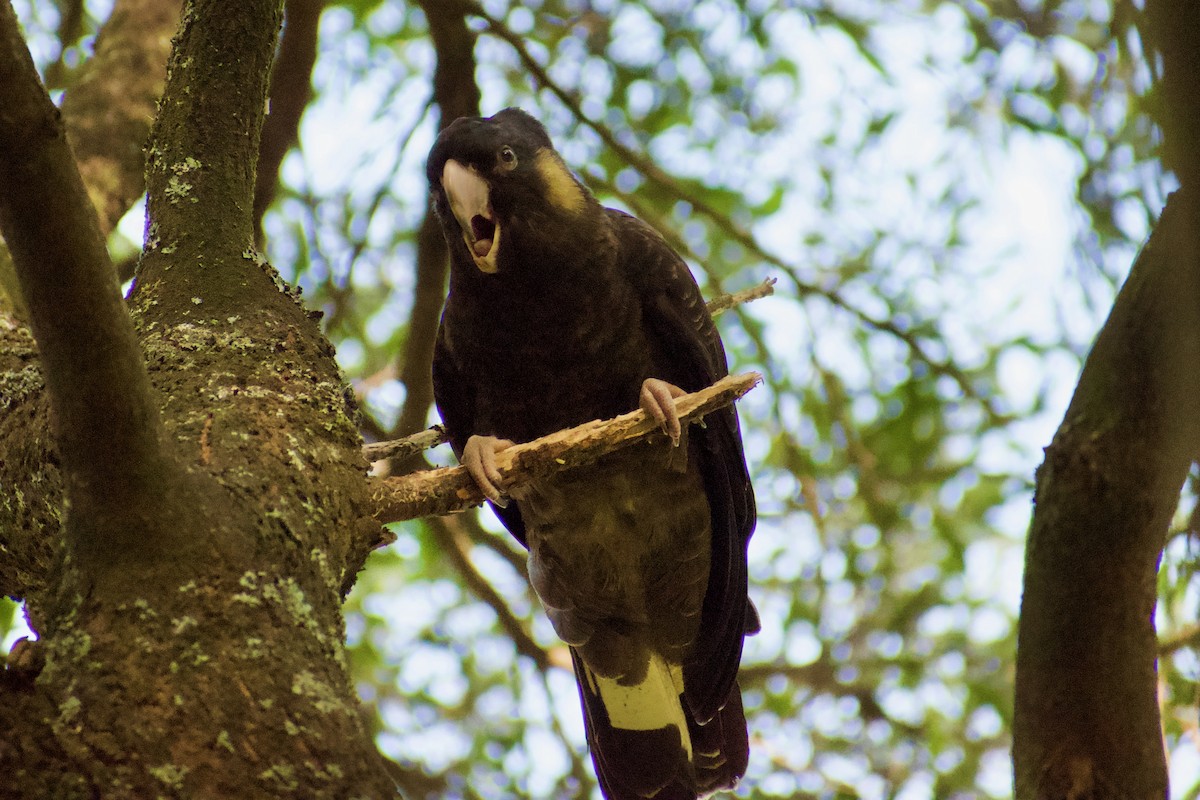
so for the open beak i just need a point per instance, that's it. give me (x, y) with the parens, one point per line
(468, 196)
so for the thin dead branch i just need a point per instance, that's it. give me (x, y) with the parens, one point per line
(405, 447)
(727, 301)
(451, 489)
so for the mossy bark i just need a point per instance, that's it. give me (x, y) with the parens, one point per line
(191, 640)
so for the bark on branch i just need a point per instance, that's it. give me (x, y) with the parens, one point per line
(450, 489)
(91, 360)
(408, 446)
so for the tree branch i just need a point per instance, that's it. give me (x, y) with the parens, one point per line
(291, 90)
(405, 447)
(505, 547)
(454, 542)
(109, 110)
(1086, 683)
(204, 146)
(70, 29)
(449, 489)
(719, 305)
(106, 421)
(1184, 637)
(1086, 714)
(456, 95)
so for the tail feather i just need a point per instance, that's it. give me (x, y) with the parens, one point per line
(721, 746)
(645, 744)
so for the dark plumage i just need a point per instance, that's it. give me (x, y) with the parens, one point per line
(559, 312)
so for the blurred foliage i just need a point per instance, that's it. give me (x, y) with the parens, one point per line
(948, 193)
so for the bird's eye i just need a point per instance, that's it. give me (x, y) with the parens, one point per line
(507, 157)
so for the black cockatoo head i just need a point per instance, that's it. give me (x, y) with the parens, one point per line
(503, 193)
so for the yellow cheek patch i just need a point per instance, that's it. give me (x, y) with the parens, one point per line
(561, 188)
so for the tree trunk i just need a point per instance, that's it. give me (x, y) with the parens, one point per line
(191, 640)
(1086, 722)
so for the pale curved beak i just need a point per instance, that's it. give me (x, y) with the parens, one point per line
(468, 196)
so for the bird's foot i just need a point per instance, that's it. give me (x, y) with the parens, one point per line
(658, 400)
(479, 457)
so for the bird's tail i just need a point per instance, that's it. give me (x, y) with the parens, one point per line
(645, 743)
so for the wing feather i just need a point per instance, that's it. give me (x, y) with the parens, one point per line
(455, 402)
(688, 352)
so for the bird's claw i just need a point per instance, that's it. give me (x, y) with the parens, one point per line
(479, 457)
(658, 400)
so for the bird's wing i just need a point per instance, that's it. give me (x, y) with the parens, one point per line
(687, 351)
(456, 404)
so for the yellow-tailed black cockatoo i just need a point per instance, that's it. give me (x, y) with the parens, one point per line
(559, 312)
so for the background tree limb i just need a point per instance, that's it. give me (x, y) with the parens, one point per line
(109, 109)
(291, 90)
(1172, 29)
(456, 95)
